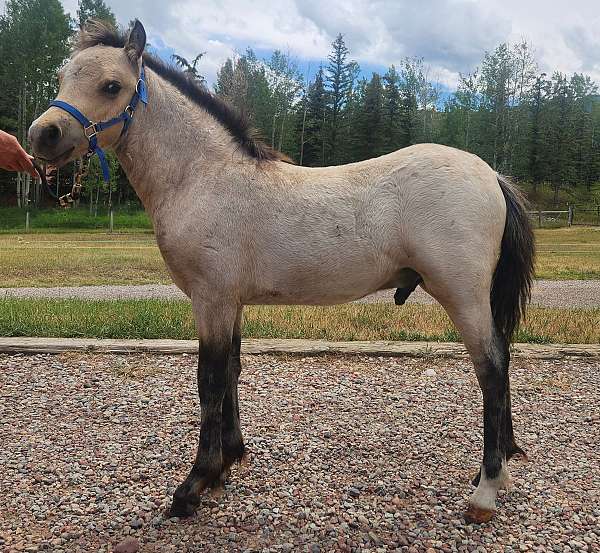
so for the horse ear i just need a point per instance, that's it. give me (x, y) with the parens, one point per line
(136, 41)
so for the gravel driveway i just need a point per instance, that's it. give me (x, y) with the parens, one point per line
(347, 453)
(546, 293)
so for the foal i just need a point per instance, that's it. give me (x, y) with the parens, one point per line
(237, 225)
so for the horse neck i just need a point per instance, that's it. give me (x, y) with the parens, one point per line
(170, 140)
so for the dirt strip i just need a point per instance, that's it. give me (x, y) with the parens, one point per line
(34, 345)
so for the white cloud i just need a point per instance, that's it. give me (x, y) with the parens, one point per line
(451, 35)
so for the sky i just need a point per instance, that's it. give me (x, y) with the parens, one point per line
(451, 35)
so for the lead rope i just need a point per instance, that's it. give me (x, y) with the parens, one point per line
(49, 178)
(69, 199)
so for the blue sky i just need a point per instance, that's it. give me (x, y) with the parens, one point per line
(451, 35)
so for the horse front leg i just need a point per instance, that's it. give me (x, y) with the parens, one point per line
(215, 321)
(231, 437)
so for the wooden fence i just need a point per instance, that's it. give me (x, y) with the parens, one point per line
(573, 215)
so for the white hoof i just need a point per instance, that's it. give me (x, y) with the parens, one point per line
(483, 501)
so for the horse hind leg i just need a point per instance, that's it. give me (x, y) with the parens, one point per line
(489, 351)
(491, 367)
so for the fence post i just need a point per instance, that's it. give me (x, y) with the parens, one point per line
(27, 220)
(570, 217)
(539, 218)
(111, 220)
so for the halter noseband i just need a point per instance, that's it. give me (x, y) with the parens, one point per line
(91, 130)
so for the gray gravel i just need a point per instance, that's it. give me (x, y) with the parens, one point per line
(346, 453)
(546, 293)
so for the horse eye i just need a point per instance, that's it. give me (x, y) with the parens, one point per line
(112, 89)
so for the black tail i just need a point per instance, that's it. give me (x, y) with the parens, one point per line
(511, 284)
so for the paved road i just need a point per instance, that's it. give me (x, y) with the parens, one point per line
(546, 293)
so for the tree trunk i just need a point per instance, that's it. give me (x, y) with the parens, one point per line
(282, 129)
(97, 198)
(273, 130)
(302, 133)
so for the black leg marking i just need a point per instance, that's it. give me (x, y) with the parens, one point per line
(499, 440)
(213, 361)
(233, 443)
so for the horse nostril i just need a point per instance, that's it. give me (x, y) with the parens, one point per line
(51, 134)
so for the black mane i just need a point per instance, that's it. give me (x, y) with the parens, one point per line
(101, 33)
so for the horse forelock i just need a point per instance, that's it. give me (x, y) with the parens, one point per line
(101, 33)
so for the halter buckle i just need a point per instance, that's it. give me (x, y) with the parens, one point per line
(138, 84)
(129, 111)
(90, 131)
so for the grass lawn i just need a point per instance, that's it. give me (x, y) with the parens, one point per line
(131, 257)
(173, 319)
(12, 220)
(568, 253)
(77, 259)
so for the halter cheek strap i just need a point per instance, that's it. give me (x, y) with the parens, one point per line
(91, 130)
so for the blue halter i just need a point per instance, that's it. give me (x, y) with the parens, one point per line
(91, 130)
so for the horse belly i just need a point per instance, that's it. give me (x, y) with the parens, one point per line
(328, 281)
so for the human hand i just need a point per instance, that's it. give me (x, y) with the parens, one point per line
(13, 157)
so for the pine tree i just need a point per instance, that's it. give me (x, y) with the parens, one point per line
(190, 68)
(339, 78)
(371, 120)
(392, 108)
(315, 140)
(535, 138)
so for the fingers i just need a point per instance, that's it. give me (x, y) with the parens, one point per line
(13, 157)
(27, 166)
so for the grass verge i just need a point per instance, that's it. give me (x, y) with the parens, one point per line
(79, 259)
(173, 319)
(13, 219)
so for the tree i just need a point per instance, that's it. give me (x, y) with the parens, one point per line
(314, 138)
(34, 43)
(392, 109)
(285, 84)
(94, 9)
(536, 141)
(417, 92)
(190, 68)
(340, 79)
(370, 122)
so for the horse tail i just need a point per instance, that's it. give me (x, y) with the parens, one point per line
(513, 277)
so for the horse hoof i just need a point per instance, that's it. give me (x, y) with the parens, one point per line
(181, 509)
(184, 504)
(477, 515)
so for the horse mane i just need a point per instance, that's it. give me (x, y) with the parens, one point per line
(96, 33)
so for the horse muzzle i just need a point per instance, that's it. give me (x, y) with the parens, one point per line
(50, 142)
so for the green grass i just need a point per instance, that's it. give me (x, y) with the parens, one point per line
(80, 259)
(173, 319)
(568, 253)
(13, 219)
